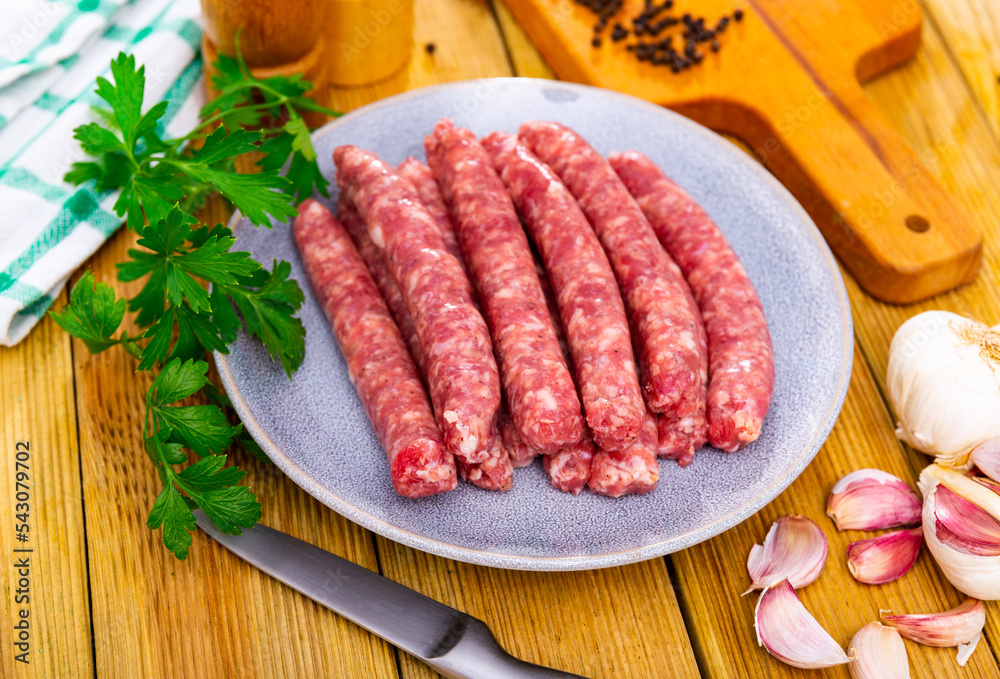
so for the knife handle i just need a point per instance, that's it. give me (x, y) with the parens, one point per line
(477, 655)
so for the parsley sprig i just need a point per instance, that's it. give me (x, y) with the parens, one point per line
(197, 292)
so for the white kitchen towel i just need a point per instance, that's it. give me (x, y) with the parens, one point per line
(48, 227)
(41, 33)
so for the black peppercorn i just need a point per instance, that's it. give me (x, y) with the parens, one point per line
(659, 52)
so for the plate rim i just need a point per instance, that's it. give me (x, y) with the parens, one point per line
(590, 561)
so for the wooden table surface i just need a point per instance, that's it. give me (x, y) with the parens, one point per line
(107, 599)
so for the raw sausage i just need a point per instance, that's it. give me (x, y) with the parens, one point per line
(378, 362)
(540, 392)
(570, 468)
(666, 325)
(590, 304)
(633, 471)
(520, 453)
(461, 370)
(430, 195)
(372, 256)
(493, 473)
(741, 357)
(680, 438)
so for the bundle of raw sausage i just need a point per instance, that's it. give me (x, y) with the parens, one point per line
(741, 365)
(461, 371)
(474, 355)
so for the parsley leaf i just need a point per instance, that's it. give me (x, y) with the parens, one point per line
(255, 195)
(173, 513)
(97, 140)
(93, 314)
(197, 291)
(268, 312)
(203, 429)
(303, 173)
(207, 484)
(154, 173)
(125, 96)
(185, 319)
(177, 381)
(214, 489)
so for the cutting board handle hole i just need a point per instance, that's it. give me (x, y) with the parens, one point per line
(917, 223)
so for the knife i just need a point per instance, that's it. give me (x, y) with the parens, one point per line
(453, 643)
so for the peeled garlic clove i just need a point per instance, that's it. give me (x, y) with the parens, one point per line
(961, 626)
(884, 558)
(879, 653)
(789, 633)
(795, 548)
(961, 540)
(944, 384)
(986, 456)
(871, 499)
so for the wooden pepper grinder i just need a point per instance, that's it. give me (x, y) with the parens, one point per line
(368, 40)
(277, 37)
(341, 42)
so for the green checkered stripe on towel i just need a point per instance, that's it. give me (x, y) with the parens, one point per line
(58, 226)
(44, 33)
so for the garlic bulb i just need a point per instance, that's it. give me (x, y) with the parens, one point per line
(962, 530)
(944, 384)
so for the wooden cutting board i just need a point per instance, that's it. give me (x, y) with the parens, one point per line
(787, 81)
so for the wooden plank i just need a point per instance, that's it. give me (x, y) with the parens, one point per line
(212, 615)
(931, 105)
(970, 29)
(36, 408)
(928, 102)
(619, 622)
(258, 627)
(614, 622)
(713, 574)
(525, 58)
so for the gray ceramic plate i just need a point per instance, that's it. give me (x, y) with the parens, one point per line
(315, 429)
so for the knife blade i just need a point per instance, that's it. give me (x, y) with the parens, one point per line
(455, 644)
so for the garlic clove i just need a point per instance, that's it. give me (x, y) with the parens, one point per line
(944, 385)
(879, 653)
(975, 574)
(961, 626)
(871, 499)
(964, 526)
(789, 633)
(987, 483)
(884, 558)
(795, 548)
(986, 456)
